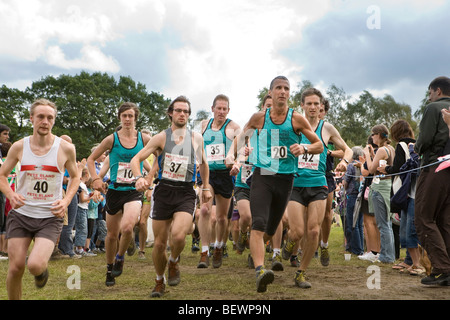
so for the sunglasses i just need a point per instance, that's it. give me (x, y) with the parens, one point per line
(181, 110)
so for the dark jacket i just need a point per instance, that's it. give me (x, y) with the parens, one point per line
(433, 134)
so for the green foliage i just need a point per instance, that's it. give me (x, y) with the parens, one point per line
(87, 106)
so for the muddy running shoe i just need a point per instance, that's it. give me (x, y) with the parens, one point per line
(131, 247)
(242, 240)
(288, 247)
(277, 263)
(174, 273)
(117, 267)
(159, 289)
(263, 278)
(217, 257)
(324, 256)
(41, 280)
(204, 260)
(300, 280)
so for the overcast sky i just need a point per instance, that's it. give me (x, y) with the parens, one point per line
(200, 48)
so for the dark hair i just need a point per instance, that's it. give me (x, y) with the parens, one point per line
(401, 129)
(383, 131)
(127, 106)
(178, 99)
(326, 104)
(4, 128)
(311, 92)
(441, 82)
(268, 96)
(277, 78)
(4, 148)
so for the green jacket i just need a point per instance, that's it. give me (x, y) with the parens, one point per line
(433, 134)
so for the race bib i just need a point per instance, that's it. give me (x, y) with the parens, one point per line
(278, 152)
(309, 161)
(175, 167)
(41, 186)
(124, 173)
(215, 152)
(246, 171)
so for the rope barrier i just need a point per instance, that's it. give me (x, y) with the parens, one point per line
(400, 173)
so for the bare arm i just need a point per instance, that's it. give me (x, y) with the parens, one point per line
(340, 144)
(156, 143)
(14, 155)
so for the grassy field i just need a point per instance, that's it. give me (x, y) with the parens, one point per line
(83, 279)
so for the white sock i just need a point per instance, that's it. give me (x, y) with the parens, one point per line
(205, 248)
(323, 245)
(276, 251)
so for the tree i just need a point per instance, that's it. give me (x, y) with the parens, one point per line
(14, 112)
(88, 103)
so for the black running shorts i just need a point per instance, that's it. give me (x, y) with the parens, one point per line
(115, 200)
(269, 196)
(168, 199)
(306, 195)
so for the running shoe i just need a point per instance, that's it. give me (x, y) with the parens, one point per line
(277, 263)
(41, 280)
(174, 273)
(263, 278)
(204, 260)
(294, 261)
(441, 279)
(217, 257)
(300, 280)
(324, 256)
(159, 289)
(241, 243)
(288, 247)
(110, 281)
(195, 245)
(117, 267)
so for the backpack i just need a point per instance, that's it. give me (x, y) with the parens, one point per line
(400, 197)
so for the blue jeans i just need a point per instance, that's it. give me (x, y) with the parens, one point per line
(354, 237)
(384, 223)
(65, 241)
(408, 235)
(81, 228)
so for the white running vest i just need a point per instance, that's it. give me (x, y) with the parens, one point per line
(39, 180)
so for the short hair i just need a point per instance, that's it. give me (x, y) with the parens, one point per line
(401, 129)
(221, 97)
(4, 127)
(310, 92)
(127, 106)
(4, 148)
(178, 99)
(277, 78)
(357, 152)
(42, 102)
(266, 97)
(441, 82)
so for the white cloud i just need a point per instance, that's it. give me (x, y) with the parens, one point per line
(92, 58)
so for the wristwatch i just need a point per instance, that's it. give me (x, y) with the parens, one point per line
(137, 178)
(306, 149)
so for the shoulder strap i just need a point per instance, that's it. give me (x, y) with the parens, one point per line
(405, 148)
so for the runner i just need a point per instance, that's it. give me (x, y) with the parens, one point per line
(218, 134)
(123, 202)
(174, 197)
(38, 205)
(306, 208)
(278, 147)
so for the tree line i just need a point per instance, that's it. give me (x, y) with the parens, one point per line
(87, 108)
